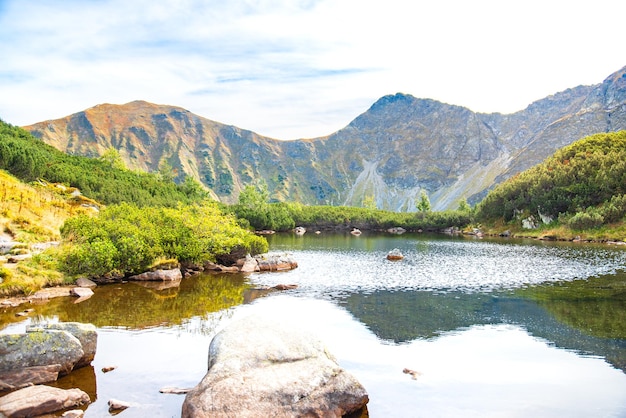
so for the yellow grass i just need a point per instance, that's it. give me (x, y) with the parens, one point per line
(32, 213)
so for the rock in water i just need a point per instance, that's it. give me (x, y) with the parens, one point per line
(39, 348)
(86, 334)
(39, 400)
(259, 368)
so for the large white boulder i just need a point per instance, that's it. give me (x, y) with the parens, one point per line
(263, 368)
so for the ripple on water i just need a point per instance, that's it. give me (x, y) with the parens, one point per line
(445, 265)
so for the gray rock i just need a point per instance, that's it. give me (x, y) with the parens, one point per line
(40, 348)
(86, 334)
(7, 246)
(39, 400)
(85, 282)
(159, 275)
(82, 292)
(261, 368)
(250, 265)
(74, 413)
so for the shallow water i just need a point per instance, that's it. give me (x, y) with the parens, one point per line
(497, 328)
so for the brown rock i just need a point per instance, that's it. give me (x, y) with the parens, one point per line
(39, 400)
(276, 262)
(174, 390)
(27, 376)
(285, 286)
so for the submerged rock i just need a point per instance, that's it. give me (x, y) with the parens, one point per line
(259, 367)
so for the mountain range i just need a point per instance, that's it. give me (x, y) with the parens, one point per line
(392, 152)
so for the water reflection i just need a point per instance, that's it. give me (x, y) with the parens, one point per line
(144, 305)
(498, 370)
(495, 328)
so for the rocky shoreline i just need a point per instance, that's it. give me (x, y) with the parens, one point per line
(268, 262)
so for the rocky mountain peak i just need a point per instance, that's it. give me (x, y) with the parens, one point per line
(398, 148)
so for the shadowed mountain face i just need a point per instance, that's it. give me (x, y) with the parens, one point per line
(397, 148)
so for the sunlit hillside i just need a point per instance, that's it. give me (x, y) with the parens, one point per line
(35, 213)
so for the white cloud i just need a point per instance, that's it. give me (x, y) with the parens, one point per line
(292, 69)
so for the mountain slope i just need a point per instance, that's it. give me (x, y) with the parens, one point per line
(397, 148)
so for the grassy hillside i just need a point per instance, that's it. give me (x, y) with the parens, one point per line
(102, 179)
(581, 187)
(148, 217)
(30, 214)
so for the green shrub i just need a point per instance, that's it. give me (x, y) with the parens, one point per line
(129, 239)
(95, 258)
(585, 220)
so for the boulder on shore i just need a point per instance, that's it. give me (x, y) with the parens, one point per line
(159, 275)
(276, 262)
(258, 367)
(38, 400)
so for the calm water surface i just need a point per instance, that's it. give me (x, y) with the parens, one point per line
(498, 328)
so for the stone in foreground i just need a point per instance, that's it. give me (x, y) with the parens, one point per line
(18, 351)
(258, 367)
(39, 400)
(85, 333)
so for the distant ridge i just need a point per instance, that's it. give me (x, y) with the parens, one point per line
(400, 146)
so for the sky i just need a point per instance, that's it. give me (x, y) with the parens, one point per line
(301, 68)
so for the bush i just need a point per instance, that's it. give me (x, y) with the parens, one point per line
(585, 220)
(94, 258)
(127, 239)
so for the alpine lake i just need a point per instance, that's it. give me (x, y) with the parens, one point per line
(489, 327)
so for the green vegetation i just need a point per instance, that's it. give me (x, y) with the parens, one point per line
(103, 179)
(594, 306)
(423, 204)
(253, 206)
(149, 218)
(582, 187)
(125, 239)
